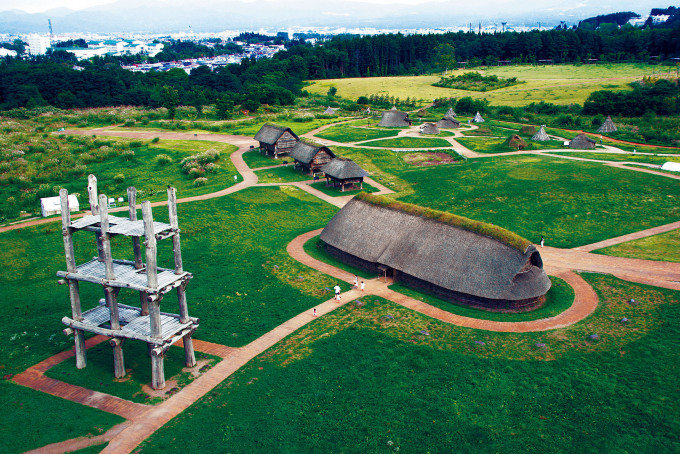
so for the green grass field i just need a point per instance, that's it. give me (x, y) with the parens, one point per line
(287, 174)
(348, 134)
(255, 159)
(559, 84)
(665, 247)
(495, 145)
(642, 158)
(377, 377)
(335, 192)
(408, 142)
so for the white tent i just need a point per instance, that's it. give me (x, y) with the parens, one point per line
(671, 166)
(478, 118)
(52, 205)
(329, 111)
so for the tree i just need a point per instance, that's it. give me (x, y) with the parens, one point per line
(332, 91)
(446, 56)
(223, 107)
(198, 100)
(170, 100)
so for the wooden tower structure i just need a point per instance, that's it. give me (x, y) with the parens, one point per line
(121, 322)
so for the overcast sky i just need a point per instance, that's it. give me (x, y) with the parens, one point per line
(38, 6)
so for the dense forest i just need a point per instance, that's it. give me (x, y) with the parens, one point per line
(50, 80)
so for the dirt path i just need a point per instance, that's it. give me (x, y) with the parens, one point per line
(629, 237)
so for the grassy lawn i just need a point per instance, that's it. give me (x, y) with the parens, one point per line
(98, 375)
(250, 127)
(316, 248)
(559, 84)
(495, 145)
(571, 203)
(409, 142)
(255, 159)
(33, 419)
(664, 247)
(335, 192)
(649, 159)
(285, 174)
(376, 377)
(344, 133)
(558, 299)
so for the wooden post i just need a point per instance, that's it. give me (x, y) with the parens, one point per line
(136, 246)
(118, 361)
(157, 369)
(73, 288)
(94, 208)
(174, 223)
(104, 237)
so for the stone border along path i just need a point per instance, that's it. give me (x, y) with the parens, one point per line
(144, 420)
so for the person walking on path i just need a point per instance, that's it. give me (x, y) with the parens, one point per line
(542, 240)
(362, 286)
(314, 312)
(337, 292)
(356, 281)
(235, 178)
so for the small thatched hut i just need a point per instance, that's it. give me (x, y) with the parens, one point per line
(394, 119)
(450, 113)
(329, 111)
(478, 118)
(429, 128)
(541, 135)
(311, 158)
(459, 259)
(276, 140)
(582, 142)
(607, 126)
(516, 142)
(448, 123)
(344, 172)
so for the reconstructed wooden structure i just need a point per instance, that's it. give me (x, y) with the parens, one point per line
(394, 119)
(344, 172)
(429, 128)
(276, 140)
(478, 118)
(541, 135)
(448, 123)
(310, 158)
(454, 258)
(607, 126)
(121, 322)
(582, 142)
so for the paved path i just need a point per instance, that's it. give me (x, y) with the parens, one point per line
(629, 237)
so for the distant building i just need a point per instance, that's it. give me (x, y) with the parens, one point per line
(582, 142)
(38, 44)
(50, 206)
(7, 52)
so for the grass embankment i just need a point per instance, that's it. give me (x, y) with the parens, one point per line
(664, 247)
(408, 142)
(570, 203)
(377, 377)
(349, 134)
(558, 299)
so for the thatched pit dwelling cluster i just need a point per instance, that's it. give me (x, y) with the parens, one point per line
(452, 257)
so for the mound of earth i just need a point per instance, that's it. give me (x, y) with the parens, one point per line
(428, 159)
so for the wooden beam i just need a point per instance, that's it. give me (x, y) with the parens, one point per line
(174, 223)
(136, 246)
(118, 360)
(150, 243)
(157, 370)
(104, 236)
(92, 194)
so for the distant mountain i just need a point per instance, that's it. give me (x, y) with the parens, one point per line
(158, 16)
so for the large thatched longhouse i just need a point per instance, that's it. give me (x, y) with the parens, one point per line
(456, 258)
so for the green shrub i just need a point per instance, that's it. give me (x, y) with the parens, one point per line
(135, 144)
(119, 178)
(127, 155)
(156, 140)
(201, 181)
(196, 172)
(129, 123)
(163, 159)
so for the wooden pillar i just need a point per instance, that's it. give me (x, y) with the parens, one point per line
(110, 293)
(73, 288)
(136, 246)
(157, 369)
(94, 209)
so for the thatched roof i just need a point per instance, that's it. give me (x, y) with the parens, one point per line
(448, 123)
(437, 252)
(305, 153)
(394, 108)
(582, 142)
(541, 135)
(429, 128)
(478, 118)
(450, 114)
(329, 111)
(343, 169)
(394, 119)
(271, 133)
(516, 142)
(607, 126)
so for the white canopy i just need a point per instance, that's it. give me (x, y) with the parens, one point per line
(671, 166)
(52, 205)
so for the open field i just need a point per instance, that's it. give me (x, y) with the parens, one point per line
(642, 158)
(377, 377)
(558, 84)
(665, 246)
(344, 133)
(284, 174)
(408, 142)
(483, 144)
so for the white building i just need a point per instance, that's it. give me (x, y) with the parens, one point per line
(7, 53)
(38, 44)
(52, 205)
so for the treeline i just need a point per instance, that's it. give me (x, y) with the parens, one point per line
(661, 97)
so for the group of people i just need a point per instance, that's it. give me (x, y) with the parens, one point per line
(336, 289)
